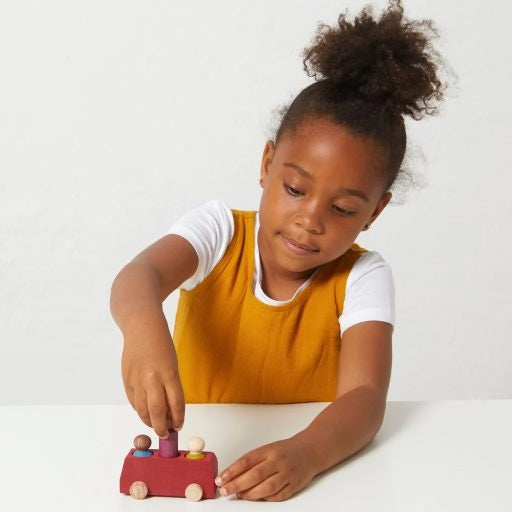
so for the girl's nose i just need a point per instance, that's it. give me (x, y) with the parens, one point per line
(309, 217)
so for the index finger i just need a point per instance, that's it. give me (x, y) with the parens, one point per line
(176, 403)
(238, 467)
(157, 409)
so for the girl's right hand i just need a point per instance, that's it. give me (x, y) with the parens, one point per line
(152, 384)
(149, 363)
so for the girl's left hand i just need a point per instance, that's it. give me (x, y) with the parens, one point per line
(273, 472)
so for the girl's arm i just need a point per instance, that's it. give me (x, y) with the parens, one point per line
(149, 364)
(276, 471)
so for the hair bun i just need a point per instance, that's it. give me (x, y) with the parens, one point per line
(388, 61)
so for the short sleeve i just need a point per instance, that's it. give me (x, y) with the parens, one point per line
(370, 292)
(209, 228)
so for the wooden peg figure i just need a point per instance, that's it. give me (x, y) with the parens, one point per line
(141, 444)
(168, 446)
(196, 447)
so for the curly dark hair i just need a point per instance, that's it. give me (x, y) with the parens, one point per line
(370, 73)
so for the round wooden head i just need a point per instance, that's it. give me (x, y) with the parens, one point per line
(142, 442)
(196, 444)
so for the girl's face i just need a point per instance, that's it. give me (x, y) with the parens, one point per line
(321, 186)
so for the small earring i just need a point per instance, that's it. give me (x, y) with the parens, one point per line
(261, 181)
(367, 227)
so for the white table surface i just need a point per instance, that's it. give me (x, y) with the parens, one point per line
(428, 456)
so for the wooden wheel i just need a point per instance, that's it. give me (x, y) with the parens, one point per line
(193, 492)
(138, 490)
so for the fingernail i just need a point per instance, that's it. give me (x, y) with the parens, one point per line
(223, 491)
(218, 481)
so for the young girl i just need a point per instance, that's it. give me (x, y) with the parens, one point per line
(280, 305)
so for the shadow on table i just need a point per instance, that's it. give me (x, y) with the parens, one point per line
(399, 415)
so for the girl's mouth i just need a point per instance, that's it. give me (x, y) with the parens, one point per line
(296, 247)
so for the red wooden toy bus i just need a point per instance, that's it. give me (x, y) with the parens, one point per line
(169, 471)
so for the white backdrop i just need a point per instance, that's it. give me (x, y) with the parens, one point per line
(118, 115)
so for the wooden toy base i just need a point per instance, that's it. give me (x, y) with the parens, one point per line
(170, 476)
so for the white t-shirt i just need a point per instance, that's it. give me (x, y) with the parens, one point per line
(209, 228)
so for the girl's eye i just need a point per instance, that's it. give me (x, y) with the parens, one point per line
(342, 211)
(293, 191)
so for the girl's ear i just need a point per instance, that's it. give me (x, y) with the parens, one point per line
(266, 160)
(384, 201)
